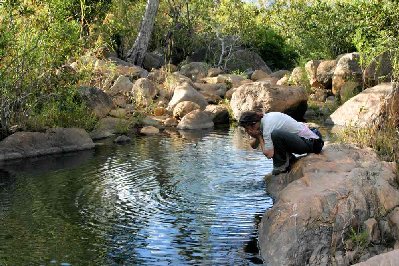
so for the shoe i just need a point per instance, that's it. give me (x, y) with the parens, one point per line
(292, 159)
(279, 170)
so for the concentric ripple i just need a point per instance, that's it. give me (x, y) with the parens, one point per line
(157, 201)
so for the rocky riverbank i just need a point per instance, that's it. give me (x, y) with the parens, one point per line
(336, 208)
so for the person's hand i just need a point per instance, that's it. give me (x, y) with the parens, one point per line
(253, 132)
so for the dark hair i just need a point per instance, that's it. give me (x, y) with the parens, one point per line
(249, 118)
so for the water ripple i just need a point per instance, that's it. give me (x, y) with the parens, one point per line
(180, 201)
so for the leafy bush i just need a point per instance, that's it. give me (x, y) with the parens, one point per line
(271, 47)
(33, 45)
(317, 29)
(62, 110)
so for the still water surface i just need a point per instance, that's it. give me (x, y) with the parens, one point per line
(180, 200)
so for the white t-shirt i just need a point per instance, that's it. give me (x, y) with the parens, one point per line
(276, 120)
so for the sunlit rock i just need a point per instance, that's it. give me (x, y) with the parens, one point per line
(322, 201)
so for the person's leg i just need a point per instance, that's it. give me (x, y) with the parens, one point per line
(285, 144)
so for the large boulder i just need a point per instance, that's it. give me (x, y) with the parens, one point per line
(379, 70)
(347, 71)
(311, 71)
(219, 113)
(196, 119)
(261, 96)
(183, 108)
(96, 100)
(153, 60)
(195, 70)
(324, 73)
(245, 59)
(122, 86)
(217, 89)
(108, 127)
(385, 259)
(324, 205)
(144, 90)
(56, 140)
(185, 92)
(368, 107)
(298, 77)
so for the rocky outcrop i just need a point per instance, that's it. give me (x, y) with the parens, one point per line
(262, 96)
(324, 206)
(55, 140)
(368, 107)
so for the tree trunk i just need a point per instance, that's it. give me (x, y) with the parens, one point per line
(137, 52)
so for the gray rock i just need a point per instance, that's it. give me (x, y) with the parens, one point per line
(195, 70)
(379, 70)
(55, 140)
(245, 59)
(153, 60)
(261, 96)
(109, 126)
(185, 92)
(196, 119)
(368, 107)
(122, 139)
(96, 100)
(220, 114)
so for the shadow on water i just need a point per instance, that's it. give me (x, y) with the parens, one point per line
(47, 163)
(252, 246)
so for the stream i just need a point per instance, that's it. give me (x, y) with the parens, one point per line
(191, 198)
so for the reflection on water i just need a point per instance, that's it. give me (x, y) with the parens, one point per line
(184, 200)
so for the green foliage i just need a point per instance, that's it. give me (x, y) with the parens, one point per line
(34, 43)
(358, 238)
(62, 110)
(382, 138)
(120, 25)
(317, 29)
(271, 47)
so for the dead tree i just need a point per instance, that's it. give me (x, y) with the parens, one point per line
(137, 52)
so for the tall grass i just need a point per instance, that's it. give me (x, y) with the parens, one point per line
(383, 138)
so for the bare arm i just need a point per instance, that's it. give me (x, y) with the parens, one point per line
(258, 140)
(267, 152)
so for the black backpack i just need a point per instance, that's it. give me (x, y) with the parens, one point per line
(317, 143)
